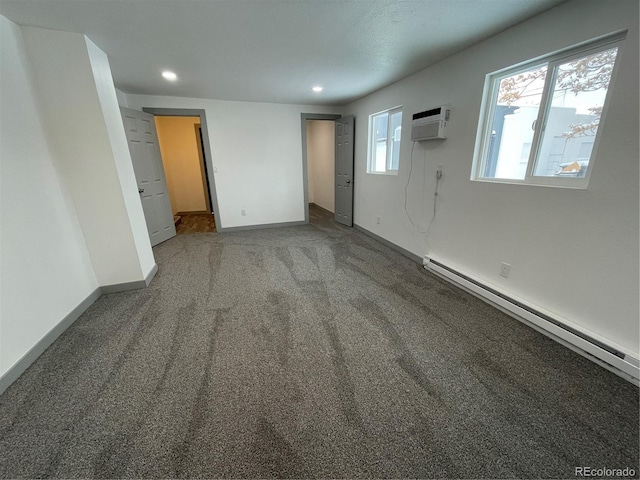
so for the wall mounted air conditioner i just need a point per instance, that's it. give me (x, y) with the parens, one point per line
(430, 124)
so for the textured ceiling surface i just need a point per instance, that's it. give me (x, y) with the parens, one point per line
(273, 50)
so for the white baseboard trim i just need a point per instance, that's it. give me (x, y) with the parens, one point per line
(587, 344)
(28, 358)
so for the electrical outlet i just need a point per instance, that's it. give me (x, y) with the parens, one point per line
(378, 219)
(504, 269)
(243, 212)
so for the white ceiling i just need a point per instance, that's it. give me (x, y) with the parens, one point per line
(273, 50)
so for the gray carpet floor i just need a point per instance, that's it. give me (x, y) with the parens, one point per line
(310, 351)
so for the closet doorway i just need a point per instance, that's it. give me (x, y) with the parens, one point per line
(318, 162)
(183, 156)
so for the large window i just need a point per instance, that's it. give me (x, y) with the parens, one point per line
(541, 120)
(384, 141)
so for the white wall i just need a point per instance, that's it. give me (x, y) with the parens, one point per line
(257, 151)
(574, 253)
(120, 157)
(321, 163)
(122, 98)
(81, 113)
(46, 269)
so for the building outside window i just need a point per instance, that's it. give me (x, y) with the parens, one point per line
(541, 120)
(385, 129)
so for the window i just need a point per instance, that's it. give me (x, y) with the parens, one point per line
(385, 129)
(540, 121)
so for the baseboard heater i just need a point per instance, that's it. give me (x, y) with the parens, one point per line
(608, 356)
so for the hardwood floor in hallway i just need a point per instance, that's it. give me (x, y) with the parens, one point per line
(195, 223)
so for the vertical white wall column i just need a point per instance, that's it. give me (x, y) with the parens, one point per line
(83, 124)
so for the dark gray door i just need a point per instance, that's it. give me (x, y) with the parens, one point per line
(344, 170)
(140, 129)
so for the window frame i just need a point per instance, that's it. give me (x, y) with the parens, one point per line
(552, 62)
(372, 141)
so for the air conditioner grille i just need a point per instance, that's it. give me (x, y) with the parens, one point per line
(426, 132)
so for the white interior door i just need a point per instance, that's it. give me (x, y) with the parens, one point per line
(344, 170)
(141, 134)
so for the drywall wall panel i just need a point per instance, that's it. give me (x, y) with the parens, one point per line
(256, 156)
(321, 163)
(572, 252)
(79, 107)
(121, 158)
(181, 160)
(45, 268)
(122, 98)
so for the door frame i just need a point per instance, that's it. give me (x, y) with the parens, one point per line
(196, 112)
(204, 171)
(305, 174)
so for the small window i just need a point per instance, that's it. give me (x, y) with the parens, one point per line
(541, 120)
(385, 129)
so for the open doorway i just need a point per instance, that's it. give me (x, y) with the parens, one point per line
(318, 162)
(186, 157)
(187, 180)
(321, 163)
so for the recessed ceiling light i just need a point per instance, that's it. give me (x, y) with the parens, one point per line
(317, 89)
(169, 75)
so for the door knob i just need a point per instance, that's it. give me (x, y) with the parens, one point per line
(348, 182)
(141, 190)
